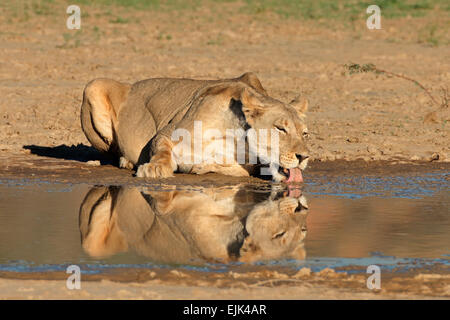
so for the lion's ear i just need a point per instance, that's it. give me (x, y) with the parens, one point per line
(249, 107)
(252, 107)
(252, 80)
(249, 99)
(300, 104)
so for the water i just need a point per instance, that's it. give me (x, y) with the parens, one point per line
(397, 222)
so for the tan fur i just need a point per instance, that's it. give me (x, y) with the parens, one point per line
(101, 235)
(192, 226)
(136, 122)
(102, 101)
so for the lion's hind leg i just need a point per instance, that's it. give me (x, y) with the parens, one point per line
(100, 233)
(102, 99)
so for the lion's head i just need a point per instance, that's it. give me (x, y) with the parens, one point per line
(285, 120)
(276, 228)
(178, 226)
(266, 118)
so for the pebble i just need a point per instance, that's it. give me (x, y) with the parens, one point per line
(179, 274)
(325, 272)
(372, 150)
(303, 272)
(94, 163)
(353, 139)
(434, 156)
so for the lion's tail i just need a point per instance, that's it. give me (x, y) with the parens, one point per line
(102, 99)
(87, 124)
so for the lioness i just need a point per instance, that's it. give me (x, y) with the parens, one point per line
(136, 123)
(189, 226)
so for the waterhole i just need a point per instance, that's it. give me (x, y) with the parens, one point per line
(399, 222)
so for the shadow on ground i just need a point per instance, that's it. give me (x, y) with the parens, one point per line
(79, 152)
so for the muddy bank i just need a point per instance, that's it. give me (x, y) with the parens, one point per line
(251, 284)
(81, 164)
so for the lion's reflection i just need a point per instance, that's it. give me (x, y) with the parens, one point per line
(184, 226)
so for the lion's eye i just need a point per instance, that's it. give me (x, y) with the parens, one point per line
(278, 235)
(280, 129)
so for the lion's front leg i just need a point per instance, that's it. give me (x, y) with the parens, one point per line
(162, 164)
(124, 163)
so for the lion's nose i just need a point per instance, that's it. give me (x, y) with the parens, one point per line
(302, 157)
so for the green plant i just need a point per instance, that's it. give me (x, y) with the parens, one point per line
(162, 36)
(71, 40)
(119, 20)
(429, 35)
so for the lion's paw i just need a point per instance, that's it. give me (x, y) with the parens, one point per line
(153, 170)
(125, 163)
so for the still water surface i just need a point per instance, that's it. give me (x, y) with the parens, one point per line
(332, 222)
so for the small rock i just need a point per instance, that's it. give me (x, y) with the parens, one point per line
(179, 274)
(431, 118)
(94, 163)
(353, 139)
(278, 275)
(326, 272)
(434, 156)
(302, 273)
(376, 157)
(415, 158)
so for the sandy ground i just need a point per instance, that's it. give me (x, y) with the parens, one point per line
(44, 68)
(83, 165)
(253, 284)
(53, 289)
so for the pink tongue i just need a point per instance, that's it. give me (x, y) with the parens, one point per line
(294, 191)
(295, 175)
